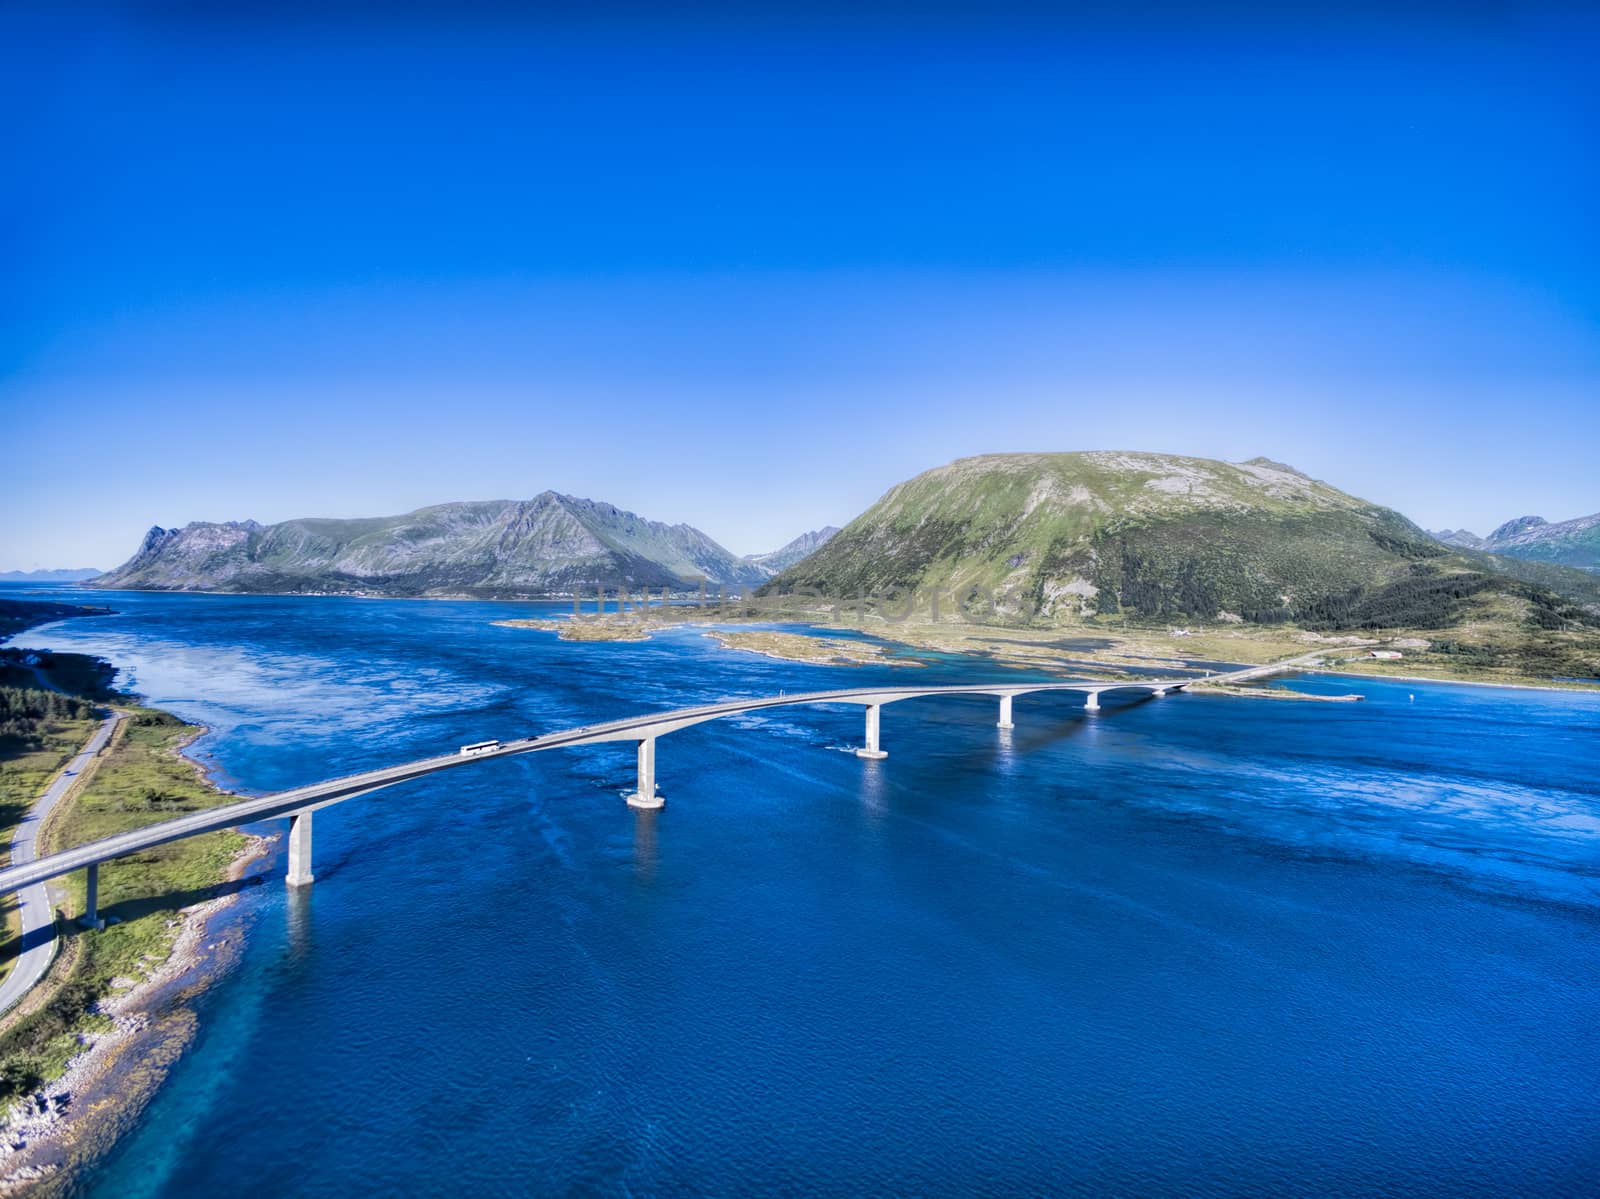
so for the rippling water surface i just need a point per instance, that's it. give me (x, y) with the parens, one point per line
(1193, 946)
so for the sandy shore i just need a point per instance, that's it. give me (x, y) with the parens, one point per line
(76, 1117)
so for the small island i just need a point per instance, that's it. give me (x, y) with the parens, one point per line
(598, 628)
(788, 646)
(802, 647)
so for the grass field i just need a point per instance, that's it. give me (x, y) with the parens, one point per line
(141, 778)
(24, 774)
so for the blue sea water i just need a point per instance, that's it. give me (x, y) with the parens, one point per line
(1195, 946)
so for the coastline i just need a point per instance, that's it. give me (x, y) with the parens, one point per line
(983, 636)
(1570, 689)
(1135, 648)
(1278, 693)
(74, 1119)
(807, 647)
(811, 646)
(975, 640)
(49, 1134)
(120, 1071)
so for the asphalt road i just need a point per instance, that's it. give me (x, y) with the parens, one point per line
(21, 874)
(38, 914)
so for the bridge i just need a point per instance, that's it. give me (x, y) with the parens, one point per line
(299, 803)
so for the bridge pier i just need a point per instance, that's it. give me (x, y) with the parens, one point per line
(1005, 713)
(91, 898)
(871, 750)
(1092, 704)
(300, 850)
(646, 796)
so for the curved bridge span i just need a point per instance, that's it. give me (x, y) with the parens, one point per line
(299, 803)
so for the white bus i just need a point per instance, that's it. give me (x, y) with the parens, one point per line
(479, 747)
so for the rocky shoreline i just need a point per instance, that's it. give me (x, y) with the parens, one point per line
(77, 1117)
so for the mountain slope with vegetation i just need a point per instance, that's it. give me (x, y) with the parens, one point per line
(1121, 536)
(550, 545)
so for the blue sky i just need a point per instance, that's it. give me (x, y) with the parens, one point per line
(749, 267)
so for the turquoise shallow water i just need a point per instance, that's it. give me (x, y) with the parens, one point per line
(1195, 946)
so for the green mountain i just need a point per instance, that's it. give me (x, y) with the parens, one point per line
(1155, 537)
(549, 545)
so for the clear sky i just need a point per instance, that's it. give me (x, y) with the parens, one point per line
(747, 267)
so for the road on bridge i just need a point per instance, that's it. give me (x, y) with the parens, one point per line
(26, 875)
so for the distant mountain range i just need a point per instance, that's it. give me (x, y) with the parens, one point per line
(1159, 537)
(800, 548)
(47, 576)
(1056, 537)
(1460, 538)
(550, 545)
(1567, 543)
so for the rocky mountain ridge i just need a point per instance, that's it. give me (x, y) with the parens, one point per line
(798, 550)
(1573, 542)
(552, 544)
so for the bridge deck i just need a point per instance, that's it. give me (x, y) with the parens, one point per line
(631, 728)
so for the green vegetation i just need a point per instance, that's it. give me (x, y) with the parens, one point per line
(140, 779)
(1142, 540)
(24, 710)
(1475, 653)
(38, 1047)
(1009, 521)
(39, 732)
(16, 615)
(1315, 568)
(803, 647)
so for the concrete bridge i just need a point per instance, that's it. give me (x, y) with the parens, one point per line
(299, 804)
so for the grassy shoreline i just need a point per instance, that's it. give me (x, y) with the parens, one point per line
(72, 1029)
(1457, 655)
(1470, 657)
(70, 1034)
